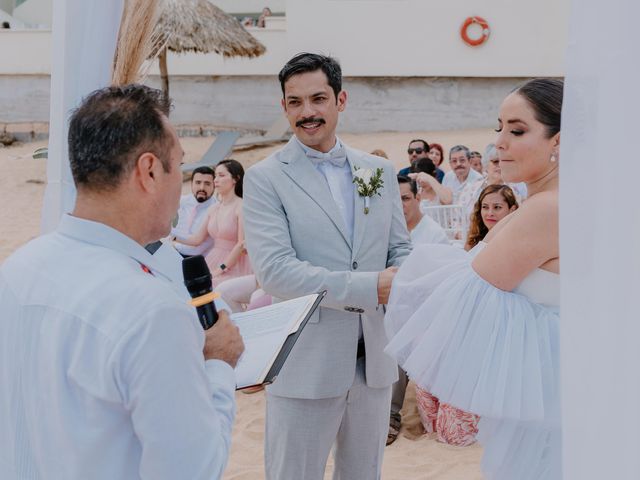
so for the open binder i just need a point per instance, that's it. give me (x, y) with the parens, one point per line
(269, 334)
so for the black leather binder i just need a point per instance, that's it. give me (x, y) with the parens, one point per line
(286, 348)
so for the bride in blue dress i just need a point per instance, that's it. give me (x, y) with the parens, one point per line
(479, 329)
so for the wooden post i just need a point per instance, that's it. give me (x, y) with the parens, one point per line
(164, 74)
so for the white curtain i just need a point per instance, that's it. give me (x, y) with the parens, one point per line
(84, 36)
(600, 243)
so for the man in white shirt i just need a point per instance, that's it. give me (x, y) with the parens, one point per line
(106, 373)
(422, 229)
(193, 212)
(461, 172)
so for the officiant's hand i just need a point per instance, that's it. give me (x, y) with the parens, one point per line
(223, 341)
(384, 284)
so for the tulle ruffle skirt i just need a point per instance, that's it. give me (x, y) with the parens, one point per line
(485, 351)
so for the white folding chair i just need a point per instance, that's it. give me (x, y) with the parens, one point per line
(451, 218)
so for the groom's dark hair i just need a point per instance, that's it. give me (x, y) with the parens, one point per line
(310, 62)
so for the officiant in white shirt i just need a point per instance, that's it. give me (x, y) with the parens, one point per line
(193, 211)
(106, 372)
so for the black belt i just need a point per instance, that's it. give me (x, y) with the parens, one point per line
(360, 349)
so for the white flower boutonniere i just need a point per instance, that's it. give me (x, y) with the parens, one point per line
(368, 183)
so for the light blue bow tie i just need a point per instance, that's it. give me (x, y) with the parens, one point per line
(337, 156)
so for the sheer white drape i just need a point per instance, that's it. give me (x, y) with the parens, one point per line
(84, 34)
(600, 241)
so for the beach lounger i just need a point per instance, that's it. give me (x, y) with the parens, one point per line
(277, 132)
(219, 149)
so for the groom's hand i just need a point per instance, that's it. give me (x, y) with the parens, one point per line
(384, 284)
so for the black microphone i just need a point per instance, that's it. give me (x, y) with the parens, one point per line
(197, 279)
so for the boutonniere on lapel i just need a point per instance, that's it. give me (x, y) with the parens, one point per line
(368, 183)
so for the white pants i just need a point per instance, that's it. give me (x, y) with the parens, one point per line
(299, 434)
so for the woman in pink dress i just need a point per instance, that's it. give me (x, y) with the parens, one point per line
(228, 258)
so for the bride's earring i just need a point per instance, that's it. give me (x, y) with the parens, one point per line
(553, 158)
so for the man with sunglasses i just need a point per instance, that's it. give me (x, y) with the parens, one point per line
(417, 149)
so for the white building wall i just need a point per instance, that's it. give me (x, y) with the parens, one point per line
(401, 38)
(422, 37)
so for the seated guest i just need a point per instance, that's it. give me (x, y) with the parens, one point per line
(436, 154)
(227, 259)
(475, 160)
(241, 292)
(193, 211)
(495, 203)
(422, 229)
(431, 191)
(470, 193)
(417, 149)
(461, 172)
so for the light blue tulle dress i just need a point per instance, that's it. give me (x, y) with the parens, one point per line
(485, 351)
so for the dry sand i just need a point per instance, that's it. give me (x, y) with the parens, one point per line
(413, 456)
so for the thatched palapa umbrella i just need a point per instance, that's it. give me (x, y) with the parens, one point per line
(199, 26)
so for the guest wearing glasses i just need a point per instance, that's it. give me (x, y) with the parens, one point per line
(417, 149)
(461, 173)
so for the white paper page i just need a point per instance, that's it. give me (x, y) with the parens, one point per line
(264, 331)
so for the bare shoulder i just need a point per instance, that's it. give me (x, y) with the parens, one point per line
(525, 240)
(538, 215)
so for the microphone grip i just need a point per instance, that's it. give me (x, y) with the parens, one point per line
(207, 314)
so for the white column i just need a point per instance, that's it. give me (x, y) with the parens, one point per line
(84, 35)
(600, 243)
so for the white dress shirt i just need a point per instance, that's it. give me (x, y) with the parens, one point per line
(451, 181)
(428, 231)
(188, 226)
(339, 179)
(101, 365)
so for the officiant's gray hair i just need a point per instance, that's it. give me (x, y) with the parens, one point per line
(111, 128)
(310, 62)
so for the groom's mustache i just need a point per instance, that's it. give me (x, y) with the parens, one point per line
(305, 121)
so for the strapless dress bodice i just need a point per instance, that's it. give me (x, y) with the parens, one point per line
(540, 286)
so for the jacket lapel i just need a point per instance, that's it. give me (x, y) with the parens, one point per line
(357, 160)
(301, 170)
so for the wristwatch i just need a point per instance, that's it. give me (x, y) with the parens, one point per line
(223, 267)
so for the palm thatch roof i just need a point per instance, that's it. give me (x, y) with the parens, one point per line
(200, 26)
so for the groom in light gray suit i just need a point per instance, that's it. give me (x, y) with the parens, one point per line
(306, 230)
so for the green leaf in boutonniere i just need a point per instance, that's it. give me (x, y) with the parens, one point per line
(368, 183)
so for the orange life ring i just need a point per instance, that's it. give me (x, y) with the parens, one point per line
(485, 31)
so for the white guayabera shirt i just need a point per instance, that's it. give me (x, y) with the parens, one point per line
(101, 365)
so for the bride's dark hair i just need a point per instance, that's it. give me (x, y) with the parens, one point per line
(545, 97)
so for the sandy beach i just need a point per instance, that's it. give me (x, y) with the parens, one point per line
(414, 455)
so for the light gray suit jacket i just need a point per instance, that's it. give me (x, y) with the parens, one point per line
(297, 243)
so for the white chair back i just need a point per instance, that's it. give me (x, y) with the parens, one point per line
(451, 218)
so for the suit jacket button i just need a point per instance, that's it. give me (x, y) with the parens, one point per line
(354, 265)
